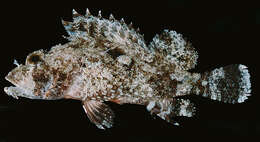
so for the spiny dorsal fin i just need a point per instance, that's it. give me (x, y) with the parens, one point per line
(138, 30)
(99, 14)
(67, 25)
(75, 13)
(130, 26)
(111, 17)
(87, 13)
(96, 28)
(122, 21)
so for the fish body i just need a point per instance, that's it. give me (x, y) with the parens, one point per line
(108, 60)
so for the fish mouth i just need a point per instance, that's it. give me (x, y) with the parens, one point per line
(8, 78)
(18, 91)
(13, 91)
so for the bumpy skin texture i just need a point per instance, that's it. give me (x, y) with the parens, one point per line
(107, 60)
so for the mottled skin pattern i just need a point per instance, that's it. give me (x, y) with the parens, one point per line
(107, 60)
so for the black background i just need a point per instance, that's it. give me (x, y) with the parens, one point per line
(222, 33)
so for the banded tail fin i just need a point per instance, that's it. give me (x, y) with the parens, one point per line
(230, 84)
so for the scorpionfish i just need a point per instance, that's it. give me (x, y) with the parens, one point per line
(108, 60)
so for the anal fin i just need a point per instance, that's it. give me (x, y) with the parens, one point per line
(99, 113)
(168, 109)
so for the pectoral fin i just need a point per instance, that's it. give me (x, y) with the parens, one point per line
(99, 113)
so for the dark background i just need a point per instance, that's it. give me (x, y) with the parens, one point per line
(223, 33)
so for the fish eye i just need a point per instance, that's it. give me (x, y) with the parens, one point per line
(34, 58)
(114, 53)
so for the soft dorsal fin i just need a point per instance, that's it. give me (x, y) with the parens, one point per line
(99, 113)
(178, 50)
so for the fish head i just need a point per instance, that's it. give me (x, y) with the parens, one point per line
(32, 80)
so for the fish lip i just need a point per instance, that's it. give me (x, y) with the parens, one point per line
(16, 91)
(6, 89)
(9, 79)
(10, 93)
(11, 90)
(12, 82)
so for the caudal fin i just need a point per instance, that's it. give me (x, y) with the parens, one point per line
(230, 84)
